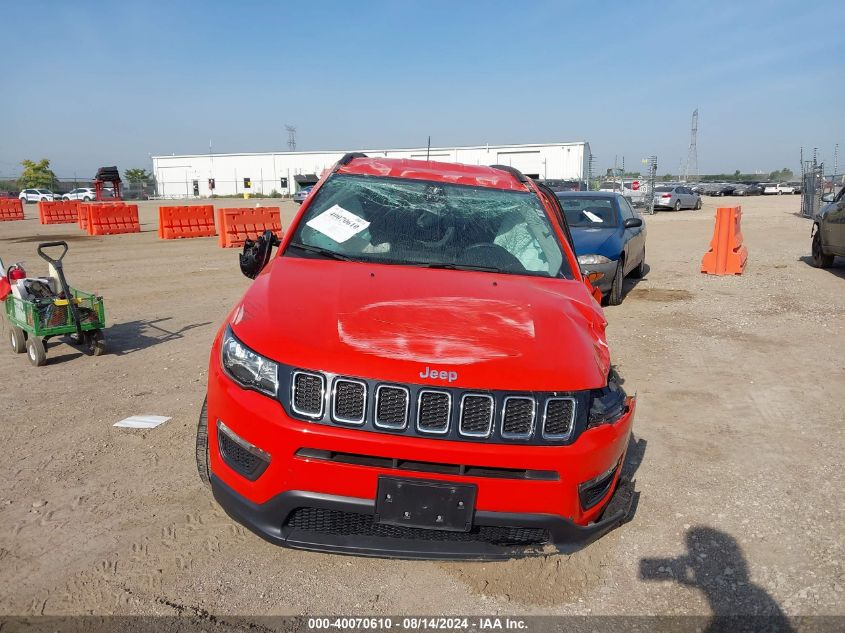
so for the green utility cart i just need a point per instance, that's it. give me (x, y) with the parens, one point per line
(71, 313)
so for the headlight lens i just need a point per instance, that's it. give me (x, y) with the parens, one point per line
(592, 259)
(247, 368)
(607, 404)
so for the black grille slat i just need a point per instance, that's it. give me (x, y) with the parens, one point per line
(476, 415)
(350, 401)
(340, 523)
(518, 417)
(391, 407)
(560, 416)
(236, 455)
(308, 392)
(433, 411)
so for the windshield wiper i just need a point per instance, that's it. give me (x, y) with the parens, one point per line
(320, 251)
(446, 266)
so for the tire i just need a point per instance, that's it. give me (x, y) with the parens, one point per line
(18, 340)
(639, 271)
(677, 206)
(698, 204)
(780, 193)
(95, 344)
(614, 297)
(86, 199)
(202, 445)
(820, 259)
(35, 351)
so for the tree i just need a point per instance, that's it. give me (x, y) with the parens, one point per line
(781, 175)
(36, 175)
(138, 176)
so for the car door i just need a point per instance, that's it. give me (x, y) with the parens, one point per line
(634, 238)
(835, 225)
(686, 198)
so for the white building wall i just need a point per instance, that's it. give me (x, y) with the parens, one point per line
(176, 175)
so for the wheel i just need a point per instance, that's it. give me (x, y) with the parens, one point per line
(820, 259)
(36, 351)
(698, 204)
(614, 297)
(202, 445)
(95, 344)
(65, 198)
(780, 193)
(86, 199)
(18, 339)
(639, 271)
(677, 205)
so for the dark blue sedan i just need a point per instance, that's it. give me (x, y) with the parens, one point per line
(609, 238)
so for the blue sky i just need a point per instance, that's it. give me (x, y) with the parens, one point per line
(87, 88)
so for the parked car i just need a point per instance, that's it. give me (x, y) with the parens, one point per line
(778, 188)
(676, 197)
(747, 189)
(441, 335)
(36, 195)
(86, 194)
(797, 187)
(723, 189)
(609, 239)
(564, 185)
(299, 196)
(828, 234)
(634, 190)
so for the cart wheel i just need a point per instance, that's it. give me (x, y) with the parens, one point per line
(95, 343)
(18, 339)
(36, 352)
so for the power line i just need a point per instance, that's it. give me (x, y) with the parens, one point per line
(291, 137)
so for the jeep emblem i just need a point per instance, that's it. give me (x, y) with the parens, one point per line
(442, 374)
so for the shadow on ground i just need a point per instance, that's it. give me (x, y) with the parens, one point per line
(133, 336)
(837, 269)
(715, 565)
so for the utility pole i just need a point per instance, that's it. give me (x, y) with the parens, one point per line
(692, 155)
(291, 137)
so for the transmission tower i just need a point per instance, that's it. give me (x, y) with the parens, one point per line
(692, 156)
(291, 137)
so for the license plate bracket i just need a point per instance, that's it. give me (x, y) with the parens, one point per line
(420, 503)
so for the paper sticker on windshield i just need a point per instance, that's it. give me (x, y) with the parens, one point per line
(593, 216)
(338, 223)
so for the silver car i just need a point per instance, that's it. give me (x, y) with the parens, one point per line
(676, 197)
(299, 196)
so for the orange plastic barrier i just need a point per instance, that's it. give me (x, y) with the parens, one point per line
(192, 221)
(82, 215)
(11, 209)
(727, 254)
(112, 218)
(238, 224)
(59, 212)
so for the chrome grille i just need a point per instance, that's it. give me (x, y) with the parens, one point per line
(518, 417)
(434, 408)
(391, 407)
(349, 401)
(308, 394)
(559, 418)
(476, 415)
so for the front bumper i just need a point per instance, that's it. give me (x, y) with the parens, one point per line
(268, 520)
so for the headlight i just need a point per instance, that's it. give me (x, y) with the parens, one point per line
(247, 368)
(592, 259)
(607, 404)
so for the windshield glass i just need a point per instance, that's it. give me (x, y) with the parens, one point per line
(43, 191)
(415, 222)
(594, 212)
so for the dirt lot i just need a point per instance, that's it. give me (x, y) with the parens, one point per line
(741, 384)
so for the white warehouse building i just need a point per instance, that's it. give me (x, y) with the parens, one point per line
(192, 175)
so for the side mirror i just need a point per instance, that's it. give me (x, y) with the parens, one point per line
(256, 253)
(632, 223)
(828, 197)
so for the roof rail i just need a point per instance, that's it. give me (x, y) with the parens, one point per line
(349, 157)
(513, 171)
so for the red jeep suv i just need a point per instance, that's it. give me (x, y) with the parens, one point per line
(421, 371)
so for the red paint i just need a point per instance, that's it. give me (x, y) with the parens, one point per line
(390, 322)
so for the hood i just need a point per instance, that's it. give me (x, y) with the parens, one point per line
(424, 326)
(590, 241)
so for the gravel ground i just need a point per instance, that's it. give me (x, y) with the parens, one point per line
(741, 385)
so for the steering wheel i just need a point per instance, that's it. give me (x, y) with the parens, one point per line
(492, 256)
(430, 231)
